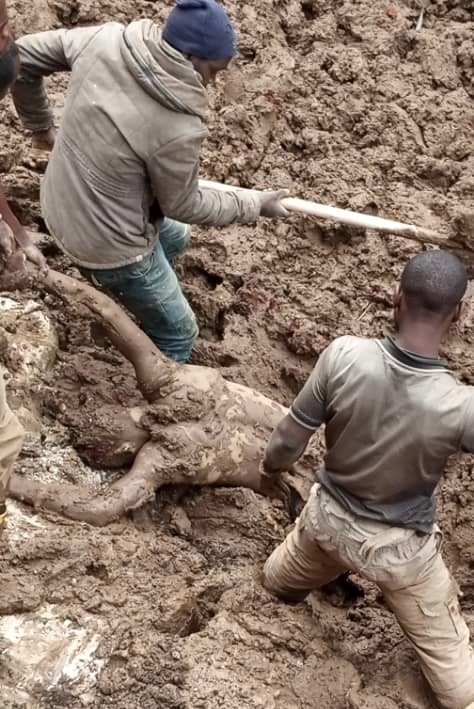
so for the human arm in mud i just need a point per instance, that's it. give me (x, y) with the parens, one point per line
(13, 233)
(287, 444)
(308, 411)
(41, 55)
(154, 371)
(174, 171)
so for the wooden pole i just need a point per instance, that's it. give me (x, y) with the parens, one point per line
(366, 221)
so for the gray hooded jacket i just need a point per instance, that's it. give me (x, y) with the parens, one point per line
(130, 135)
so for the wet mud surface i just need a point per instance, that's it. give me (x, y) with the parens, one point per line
(340, 102)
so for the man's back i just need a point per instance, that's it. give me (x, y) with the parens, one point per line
(393, 417)
(131, 133)
(392, 420)
(123, 106)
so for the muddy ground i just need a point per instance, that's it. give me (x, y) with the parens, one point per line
(343, 102)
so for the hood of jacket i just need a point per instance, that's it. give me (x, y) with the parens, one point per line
(161, 71)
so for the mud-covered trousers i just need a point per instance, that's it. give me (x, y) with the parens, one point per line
(328, 540)
(11, 439)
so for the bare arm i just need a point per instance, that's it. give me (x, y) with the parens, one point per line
(8, 215)
(308, 411)
(21, 236)
(287, 444)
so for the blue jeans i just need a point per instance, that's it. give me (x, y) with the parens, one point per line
(150, 290)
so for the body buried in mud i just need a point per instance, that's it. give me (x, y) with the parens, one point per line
(199, 429)
(163, 603)
(196, 429)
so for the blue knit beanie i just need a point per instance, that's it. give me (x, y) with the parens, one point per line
(200, 28)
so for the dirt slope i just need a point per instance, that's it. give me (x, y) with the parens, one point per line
(343, 102)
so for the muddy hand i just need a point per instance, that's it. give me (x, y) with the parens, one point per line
(273, 485)
(34, 255)
(31, 252)
(16, 262)
(19, 259)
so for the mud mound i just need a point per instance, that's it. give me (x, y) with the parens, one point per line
(342, 102)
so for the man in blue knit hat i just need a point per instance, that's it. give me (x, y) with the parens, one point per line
(201, 30)
(122, 182)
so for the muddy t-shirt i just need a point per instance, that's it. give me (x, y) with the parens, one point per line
(392, 420)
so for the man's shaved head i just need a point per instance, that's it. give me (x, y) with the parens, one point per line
(433, 284)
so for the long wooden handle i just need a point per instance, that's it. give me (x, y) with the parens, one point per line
(367, 221)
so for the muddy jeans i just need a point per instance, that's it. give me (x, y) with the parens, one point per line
(11, 439)
(408, 568)
(150, 290)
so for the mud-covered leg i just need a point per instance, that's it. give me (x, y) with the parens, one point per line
(153, 370)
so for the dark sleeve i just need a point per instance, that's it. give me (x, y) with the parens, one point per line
(309, 407)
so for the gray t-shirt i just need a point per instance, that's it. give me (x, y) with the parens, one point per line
(392, 420)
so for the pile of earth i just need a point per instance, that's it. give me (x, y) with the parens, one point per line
(342, 102)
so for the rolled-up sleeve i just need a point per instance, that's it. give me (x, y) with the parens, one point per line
(309, 407)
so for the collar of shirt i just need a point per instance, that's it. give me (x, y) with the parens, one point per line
(412, 359)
